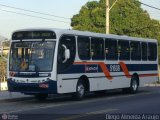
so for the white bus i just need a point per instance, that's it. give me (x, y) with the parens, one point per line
(57, 61)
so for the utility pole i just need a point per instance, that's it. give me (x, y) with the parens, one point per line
(107, 16)
(108, 8)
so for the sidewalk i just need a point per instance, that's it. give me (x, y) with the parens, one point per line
(5, 95)
(152, 85)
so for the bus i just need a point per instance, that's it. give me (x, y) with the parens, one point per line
(59, 61)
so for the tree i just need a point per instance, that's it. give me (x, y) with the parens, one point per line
(91, 18)
(126, 18)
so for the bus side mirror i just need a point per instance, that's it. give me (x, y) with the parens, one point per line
(5, 49)
(66, 53)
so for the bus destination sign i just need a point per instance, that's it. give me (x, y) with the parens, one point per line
(33, 35)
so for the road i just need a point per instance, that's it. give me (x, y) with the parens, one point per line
(113, 105)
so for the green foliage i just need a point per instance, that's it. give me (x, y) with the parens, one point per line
(91, 18)
(126, 18)
(3, 68)
(6, 43)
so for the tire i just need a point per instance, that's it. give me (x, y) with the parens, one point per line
(80, 91)
(134, 85)
(41, 97)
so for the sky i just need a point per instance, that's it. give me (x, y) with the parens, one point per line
(11, 21)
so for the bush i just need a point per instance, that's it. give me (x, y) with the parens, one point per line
(3, 70)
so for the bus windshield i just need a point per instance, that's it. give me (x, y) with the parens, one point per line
(31, 56)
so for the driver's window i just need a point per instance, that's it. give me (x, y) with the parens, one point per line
(67, 42)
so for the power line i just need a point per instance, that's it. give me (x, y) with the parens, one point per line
(33, 11)
(149, 5)
(33, 16)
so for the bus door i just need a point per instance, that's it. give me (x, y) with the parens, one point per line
(65, 60)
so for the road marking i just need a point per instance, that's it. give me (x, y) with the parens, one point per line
(62, 104)
(72, 103)
(77, 102)
(13, 100)
(37, 107)
(87, 114)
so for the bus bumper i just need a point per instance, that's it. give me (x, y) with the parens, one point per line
(48, 87)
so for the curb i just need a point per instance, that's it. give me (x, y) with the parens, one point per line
(152, 85)
(16, 99)
(6, 96)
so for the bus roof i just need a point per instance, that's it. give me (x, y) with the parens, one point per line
(59, 32)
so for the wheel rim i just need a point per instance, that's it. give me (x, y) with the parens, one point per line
(134, 85)
(80, 90)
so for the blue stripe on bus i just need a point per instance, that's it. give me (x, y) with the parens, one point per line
(32, 88)
(95, 68)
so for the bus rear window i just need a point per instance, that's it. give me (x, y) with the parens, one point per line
(152, 51)
(124, 50)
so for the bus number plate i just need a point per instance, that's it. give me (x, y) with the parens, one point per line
(115, 68)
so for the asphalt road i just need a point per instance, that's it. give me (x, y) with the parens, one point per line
(113, 105)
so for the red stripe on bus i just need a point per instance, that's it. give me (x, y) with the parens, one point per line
(125, 69)
(147, 75)
(105, 71)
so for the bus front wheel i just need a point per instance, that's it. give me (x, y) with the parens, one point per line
(80, 91)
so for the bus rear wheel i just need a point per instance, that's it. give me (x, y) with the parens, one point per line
(80, 91)
(134, 85)
(41, 97)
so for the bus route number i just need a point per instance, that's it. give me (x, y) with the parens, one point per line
(115, 68)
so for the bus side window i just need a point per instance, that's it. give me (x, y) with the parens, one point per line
(83, 47)
(144, 50)
(97, 48)
(124, 50)
(152, 51)
(135, 50)
(111, 49)
(69, 42)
